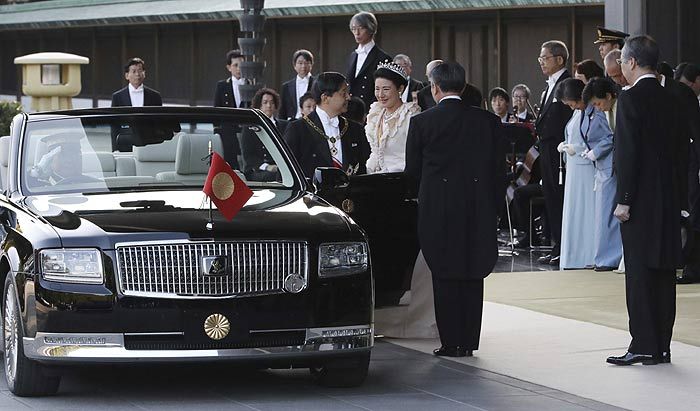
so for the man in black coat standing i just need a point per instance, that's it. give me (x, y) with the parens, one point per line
(292, 90)
(454, 152)
(324, 138)
(364, 60)
(648, 202)
(550, 125)
(136, 94)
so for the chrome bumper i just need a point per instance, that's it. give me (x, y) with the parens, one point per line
(71, 347)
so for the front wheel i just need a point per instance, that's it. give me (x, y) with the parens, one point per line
(24, 377)
(344, 372)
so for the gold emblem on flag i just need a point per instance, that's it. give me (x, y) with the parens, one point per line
(222, 185)
(216, 326)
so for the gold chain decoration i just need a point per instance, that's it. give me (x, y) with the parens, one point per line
(333, 140)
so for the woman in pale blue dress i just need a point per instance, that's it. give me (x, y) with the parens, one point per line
(578, 219)
(599, 130)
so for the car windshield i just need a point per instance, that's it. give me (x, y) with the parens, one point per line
(95, 154)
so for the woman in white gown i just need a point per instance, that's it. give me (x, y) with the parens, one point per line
(386, 130)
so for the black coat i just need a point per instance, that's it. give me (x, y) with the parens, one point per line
(311, 148)
(362, 86)
(425, 98)
(471, 96)
(553, 115)
(223, 95)
(645, 161)
(255, 154)
(290, 100)
(455, 153)
(121, 98)
(413, 85)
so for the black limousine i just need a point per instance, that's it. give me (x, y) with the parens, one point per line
(109, 251)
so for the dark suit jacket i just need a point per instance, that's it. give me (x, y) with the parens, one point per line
(311, 149)
(122, 98)
(223, 96)
(362, 86)
(471, 96)
(553, 115)
(290, 100)
(425, 98)
(413, 85)
(688, 127)
(255, 154)
(645, 161)
(455, 153)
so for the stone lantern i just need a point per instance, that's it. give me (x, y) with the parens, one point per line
(51, 79)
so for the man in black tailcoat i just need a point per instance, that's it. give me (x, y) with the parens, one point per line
(292, 90)
(136, 94)
(648, 202)
(364, 60)
(324, 138)
(550, 125)
(454, 152)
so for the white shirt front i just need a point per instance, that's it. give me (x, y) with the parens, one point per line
(404, 96)
(136, 95)
(362, 53)
(236, 91)
(523, 115)
(302, 85)
(552, 81)
(331, 128)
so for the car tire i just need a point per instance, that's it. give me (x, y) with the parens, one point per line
(342, 373)
(25, 378)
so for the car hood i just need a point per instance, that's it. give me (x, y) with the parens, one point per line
(106, 219)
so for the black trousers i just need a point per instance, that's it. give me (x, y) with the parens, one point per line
(651, 304)
(458, 308)
(520, 207)
(553, 191)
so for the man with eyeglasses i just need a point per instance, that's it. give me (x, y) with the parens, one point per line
(550, 125)
(521, 98)
(648, 199)
(364, 60)
(292, 90)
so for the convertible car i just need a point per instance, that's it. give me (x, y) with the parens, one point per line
(110, 252)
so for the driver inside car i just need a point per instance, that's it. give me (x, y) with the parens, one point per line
(62, 164)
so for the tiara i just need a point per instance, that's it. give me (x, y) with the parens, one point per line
(391, 66)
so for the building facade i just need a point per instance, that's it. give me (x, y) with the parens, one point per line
(184, 43)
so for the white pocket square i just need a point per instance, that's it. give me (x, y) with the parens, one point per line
(353, 145)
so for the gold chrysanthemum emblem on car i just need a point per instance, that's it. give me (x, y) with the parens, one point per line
(216, 326)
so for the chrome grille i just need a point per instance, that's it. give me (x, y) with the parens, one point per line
(175, 269)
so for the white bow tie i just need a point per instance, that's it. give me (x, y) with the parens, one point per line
(138, 90)
(332, 122)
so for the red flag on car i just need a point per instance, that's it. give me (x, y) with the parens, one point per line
(225, 188)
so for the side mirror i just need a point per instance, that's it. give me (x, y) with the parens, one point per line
(330, 178)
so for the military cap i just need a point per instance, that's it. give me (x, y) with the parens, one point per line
(609, 35)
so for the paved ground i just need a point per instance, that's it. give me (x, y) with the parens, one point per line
(545, 337)
(400, 379)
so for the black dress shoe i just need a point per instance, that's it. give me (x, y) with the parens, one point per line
(544, 259)
(452, 351)
(603, 268)
(554, 261)
(630, 358)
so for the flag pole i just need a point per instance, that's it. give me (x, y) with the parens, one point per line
(210, 224)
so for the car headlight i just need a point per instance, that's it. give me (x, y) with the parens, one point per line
(77, 265)
(336, 259)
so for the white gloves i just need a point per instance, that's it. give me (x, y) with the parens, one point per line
(43, 167)
(589, 154)
(568, 148)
